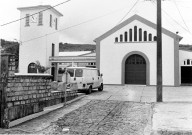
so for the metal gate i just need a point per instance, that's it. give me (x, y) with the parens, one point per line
(135, 70)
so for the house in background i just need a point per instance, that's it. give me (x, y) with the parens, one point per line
(74, 59)
(37, 42)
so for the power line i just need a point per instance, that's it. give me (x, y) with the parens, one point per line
(172, 18)
(35, 13)
(181, 15)
(129, 11)
(167, 19)
(75, 25)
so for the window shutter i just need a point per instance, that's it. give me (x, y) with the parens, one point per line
(27, 20)
(56, 23)
(40, 18)
(50, 20)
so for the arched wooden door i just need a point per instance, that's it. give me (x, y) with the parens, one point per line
(135, 70)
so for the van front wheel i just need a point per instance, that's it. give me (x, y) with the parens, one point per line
(89, 90)
(100, 88)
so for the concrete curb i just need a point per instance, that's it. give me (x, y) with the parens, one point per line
(45, 111)
(167, 132)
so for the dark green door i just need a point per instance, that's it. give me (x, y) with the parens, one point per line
(135, 70)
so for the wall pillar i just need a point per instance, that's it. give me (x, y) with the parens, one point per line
(7, 62)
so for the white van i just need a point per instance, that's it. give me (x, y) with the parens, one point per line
(86, 78)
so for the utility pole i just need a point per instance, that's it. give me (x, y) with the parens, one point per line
(159, 53)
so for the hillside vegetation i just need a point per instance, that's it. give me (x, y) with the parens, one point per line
(67, 47)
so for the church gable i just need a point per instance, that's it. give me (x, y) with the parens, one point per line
(146, 36)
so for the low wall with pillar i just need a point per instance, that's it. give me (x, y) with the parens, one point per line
(23, 95)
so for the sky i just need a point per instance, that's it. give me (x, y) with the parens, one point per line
(88, 19)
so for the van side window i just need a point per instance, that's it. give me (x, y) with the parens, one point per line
(71, 72)
(78, 73)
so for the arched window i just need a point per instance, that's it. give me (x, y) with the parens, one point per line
(32, 68)
(116, 39)
(140, 34)
(145, 35)
(150, 37)
(130, 35)
(154, 38)
(135, 33)
(121, 38)
(125, 36)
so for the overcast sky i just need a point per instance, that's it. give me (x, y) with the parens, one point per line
(100, 16)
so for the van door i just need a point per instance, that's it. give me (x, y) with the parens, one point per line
(88, 79)
(100, 79)
(95, 77)
(79, 78)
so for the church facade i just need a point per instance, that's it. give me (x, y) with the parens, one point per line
(127, 54)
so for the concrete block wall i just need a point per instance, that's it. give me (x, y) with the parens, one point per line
(26, 95)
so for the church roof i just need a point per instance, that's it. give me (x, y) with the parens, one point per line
(42, 7)
(131, 19)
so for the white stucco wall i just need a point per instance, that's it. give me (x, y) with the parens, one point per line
(112, 54)
(36, 41)
(168, 60)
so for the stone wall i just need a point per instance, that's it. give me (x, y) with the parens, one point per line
(26, 95)
(22, 95)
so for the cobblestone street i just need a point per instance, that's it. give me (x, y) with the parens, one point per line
(105, 118)
(97, 117)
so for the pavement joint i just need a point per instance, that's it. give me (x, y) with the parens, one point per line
(115, 109)
(109, 97)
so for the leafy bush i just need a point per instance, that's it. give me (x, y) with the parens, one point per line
(41, 69)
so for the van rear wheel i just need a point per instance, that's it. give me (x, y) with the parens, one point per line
(89, 90)
(100, 88)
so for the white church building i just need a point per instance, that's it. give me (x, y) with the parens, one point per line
(127, 54)
(39, 36)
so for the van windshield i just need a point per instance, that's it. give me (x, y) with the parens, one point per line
(71, 72)
(78, 73)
